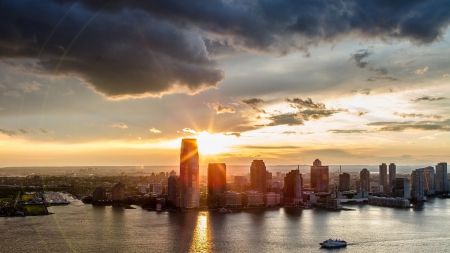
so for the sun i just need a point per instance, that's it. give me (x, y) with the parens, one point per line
(213, 144)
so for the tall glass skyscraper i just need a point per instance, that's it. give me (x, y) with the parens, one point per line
(319, 176)
(258, 176)
(383, 177)
(364, 177)
(392, 173)
(440, 178)
(217, 175)
(189, 174)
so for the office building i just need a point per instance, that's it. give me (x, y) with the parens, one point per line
(271, 199)
(240, 183)
(383, 177)
(292, 191)
(429, 180)
(344, 182)
(253, 198)
(230, 199)
(258, 176)
(99, 194)
(392, 175)
(173, 189)
(364, 180)
(418, 184)
(118, 192)
(189, 174)
(402, 188)
(216, 178)
(440, 178)
(319, 176)
(156, 188)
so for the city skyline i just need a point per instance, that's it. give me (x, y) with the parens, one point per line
(349, 82)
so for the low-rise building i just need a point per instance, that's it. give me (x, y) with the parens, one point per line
(230, 199)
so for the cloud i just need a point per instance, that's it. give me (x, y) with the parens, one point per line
(366, 91)
(421, 71)
(24, 131)
(29, 87)
(188, 130)
(306, 110)
(412, 125)
(430, 137)
(2, 86)
(307, 103)
(150, 48)
(428, 98)
(43, 131)
(297, 133)
(418, 115)
(290, 119)
(1, 108)
(359, 56)
(360, 113)
(222, 108)
(154, 130)
(12, 93)
(237, 134)
(252, 103)
(354, 131)
(7, 131)
(119, 125)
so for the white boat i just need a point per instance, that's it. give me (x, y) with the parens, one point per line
(330, 243)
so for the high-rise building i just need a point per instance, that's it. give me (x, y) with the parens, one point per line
(216, 178)
(240, 183)
(440, 178)
(418, 183)
(172, 173)
(258, 176)
(392, 174)
(293, 183)
(189, 174)
(118, 192)
(173, 190)
(344, 182)
(402, 188)
(429, 180)
(364, 180)
(383, 177)
(99, 194)
(319, 176)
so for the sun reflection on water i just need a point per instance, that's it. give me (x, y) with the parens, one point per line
(201, 238)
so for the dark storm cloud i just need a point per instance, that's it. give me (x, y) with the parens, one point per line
(121, 52)
(252, 103)
(418, 115)
(7, 131)
(152, 47)
(412, 125)
(359, 56)
(427, 98)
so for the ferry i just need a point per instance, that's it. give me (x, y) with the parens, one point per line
(330, 243)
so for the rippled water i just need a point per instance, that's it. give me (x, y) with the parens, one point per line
(86, 228)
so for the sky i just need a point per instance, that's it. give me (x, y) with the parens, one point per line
(122, 82)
